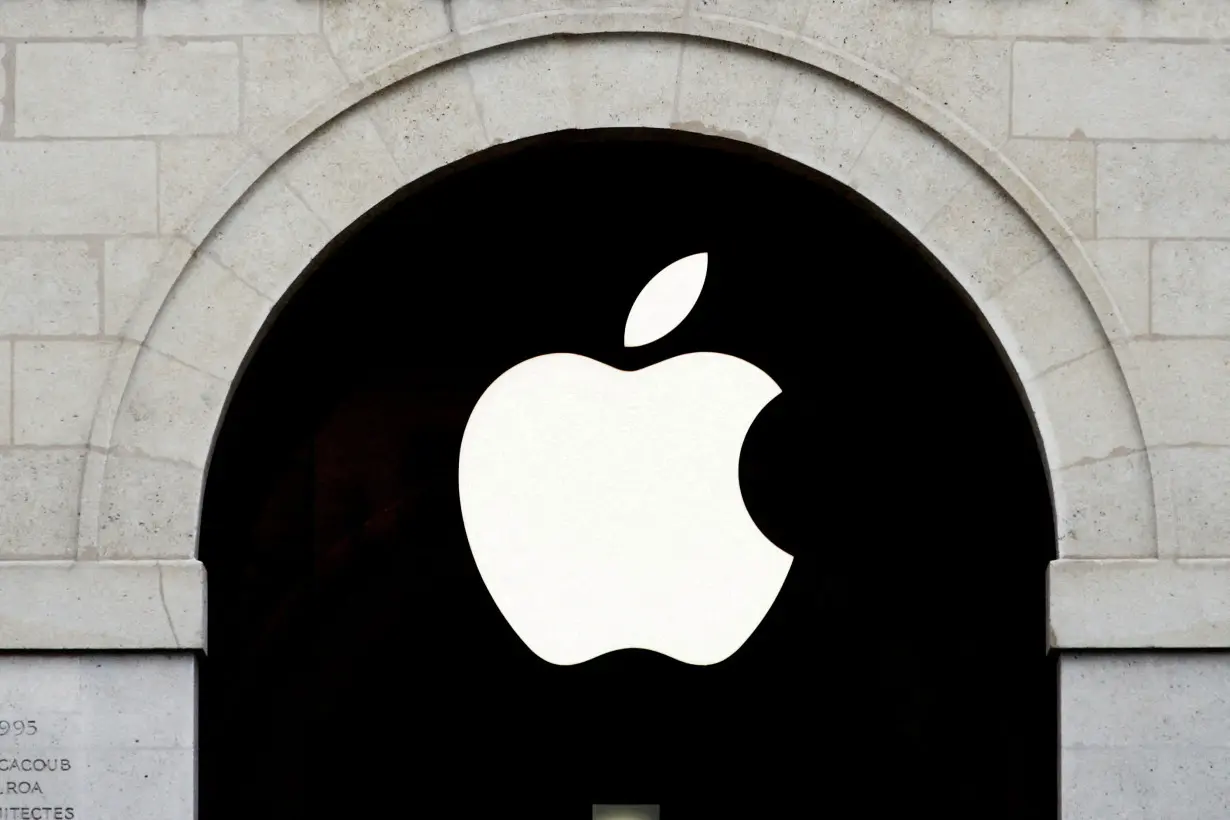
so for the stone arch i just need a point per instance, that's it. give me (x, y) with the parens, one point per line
(221, 280)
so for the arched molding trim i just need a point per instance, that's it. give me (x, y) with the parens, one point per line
(224, 274)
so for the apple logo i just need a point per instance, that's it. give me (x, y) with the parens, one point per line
(603, 506)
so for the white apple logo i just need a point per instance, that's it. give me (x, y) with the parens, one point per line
(603, 506)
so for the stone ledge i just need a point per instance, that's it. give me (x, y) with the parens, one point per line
(102, 605)
(153, 605)
(1139, 604)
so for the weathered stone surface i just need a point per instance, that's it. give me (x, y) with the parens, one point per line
(283, 78)
(78, 187)
(1082, 18)
(1164, 190)
(1189, 392)
(365, 36)
(189, 172)
(109, 605)
(68, 18)
(1139, 603)
(56, 385)
(1191, 288)
(127, 89)
(6, 393)
(1064, 172)
(1123, 265)
(38, 503)
(1121, 90)
(188, 18)
(48, 288)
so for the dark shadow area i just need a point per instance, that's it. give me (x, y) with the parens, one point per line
(358, 665)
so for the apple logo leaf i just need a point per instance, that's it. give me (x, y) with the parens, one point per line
(666, 300)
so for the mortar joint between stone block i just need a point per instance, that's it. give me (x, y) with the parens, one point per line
(243, 87)
(162, 595)
(101, 251)
(1149, 277)
(882, 112)
(1011, 86)
(1097, 193)
(12, 398)
(158, 177)
(449, 16)
(467, 68)
(677, 90)
(8, 92)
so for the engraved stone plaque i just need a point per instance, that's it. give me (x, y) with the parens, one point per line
(93, 737)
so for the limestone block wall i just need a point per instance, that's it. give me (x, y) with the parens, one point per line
(168, 167)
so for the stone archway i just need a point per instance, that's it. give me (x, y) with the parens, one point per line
(222, 278)
(155, 423)
(332, 537)
(231, 267)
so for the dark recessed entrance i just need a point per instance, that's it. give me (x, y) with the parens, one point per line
(358, 666)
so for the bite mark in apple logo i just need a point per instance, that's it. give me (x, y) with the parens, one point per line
(603, 506)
